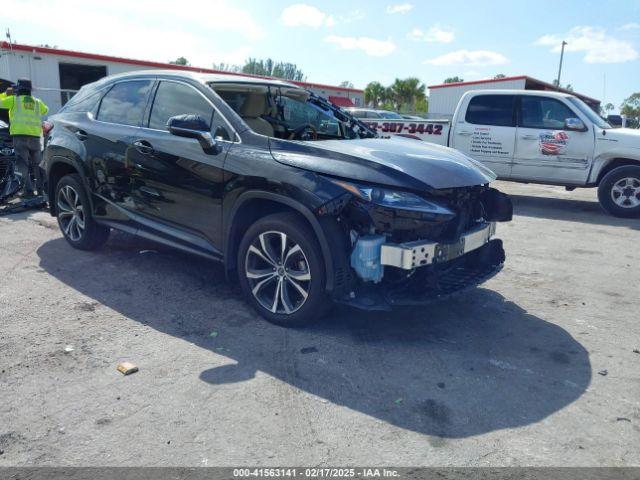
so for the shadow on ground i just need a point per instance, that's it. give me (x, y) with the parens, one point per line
(475, 365)
(568, 210)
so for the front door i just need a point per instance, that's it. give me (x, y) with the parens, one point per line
(179, 186)
(545, 150)
(487, 132)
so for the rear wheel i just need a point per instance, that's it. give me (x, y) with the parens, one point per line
(281, 270)
(74, 215)
(619, 191)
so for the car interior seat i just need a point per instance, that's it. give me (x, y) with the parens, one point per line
(255, 106)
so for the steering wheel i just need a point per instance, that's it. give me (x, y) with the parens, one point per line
(304, 132)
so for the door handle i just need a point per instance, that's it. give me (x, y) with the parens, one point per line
(529, 137)
(465, 133)
(143, 147)
(81, 135)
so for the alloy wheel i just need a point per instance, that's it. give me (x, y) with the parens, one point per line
(278, 272)
(70, 213)
(626, 192)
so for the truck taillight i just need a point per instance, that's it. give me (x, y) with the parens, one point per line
(46, 127)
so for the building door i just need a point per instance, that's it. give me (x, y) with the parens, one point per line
(73, 76)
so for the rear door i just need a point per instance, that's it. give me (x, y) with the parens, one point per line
(109, 143)
(177, 183)
(545, 150)
(487, 132)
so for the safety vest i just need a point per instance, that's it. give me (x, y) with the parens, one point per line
(25, 114)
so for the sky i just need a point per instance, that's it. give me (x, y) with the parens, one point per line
(358, 41)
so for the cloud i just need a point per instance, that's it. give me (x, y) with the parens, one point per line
(435, 34)
(303, 15)
(399, 8)
(599, 47)
(144, 29)
(630, 26)
(370, 46)
(475, 58)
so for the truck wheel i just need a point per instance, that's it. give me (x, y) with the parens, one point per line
(281, 270)
(619, 192)
(74, 215)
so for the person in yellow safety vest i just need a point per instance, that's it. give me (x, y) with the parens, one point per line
(25, 126)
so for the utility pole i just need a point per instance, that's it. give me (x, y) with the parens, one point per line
(561, 57)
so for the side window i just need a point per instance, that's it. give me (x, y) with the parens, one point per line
(178, 99)
(491, 110)
(543, 112)
(125, 103)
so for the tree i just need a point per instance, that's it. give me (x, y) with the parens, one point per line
(346, 84)
(631, 106)
(227, 67)
(374, 94)
(269, 68)
(406, 92)
(180, 61)
(568, 86)
(499, 76)
(422, 105)
(455, 79)
(605, 109)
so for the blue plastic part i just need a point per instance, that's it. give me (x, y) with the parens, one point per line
(365, 258)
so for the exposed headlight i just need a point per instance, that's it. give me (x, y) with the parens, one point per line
(396, 199)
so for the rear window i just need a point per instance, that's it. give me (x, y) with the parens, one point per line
(491, 110)
(125, 103)
(84, 101)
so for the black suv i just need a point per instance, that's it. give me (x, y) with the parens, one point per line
(298, 198)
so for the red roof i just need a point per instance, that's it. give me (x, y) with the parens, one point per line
(341, 101)
(147, 63)
(530, 84)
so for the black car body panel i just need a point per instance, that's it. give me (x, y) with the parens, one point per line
(397, 162)
(167, 188)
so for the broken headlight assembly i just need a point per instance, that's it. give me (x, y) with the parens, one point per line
(397, 200)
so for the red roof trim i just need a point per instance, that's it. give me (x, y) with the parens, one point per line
(146, 63)
(526, 78)
(478, 82)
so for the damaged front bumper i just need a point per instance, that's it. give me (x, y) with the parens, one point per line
(416, 254)
(437, 281)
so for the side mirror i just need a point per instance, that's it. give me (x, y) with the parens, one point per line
(194, 126)
(574, 124)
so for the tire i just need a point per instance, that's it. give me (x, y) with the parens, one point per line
(619, 192)
(289, 293)
(74, 215)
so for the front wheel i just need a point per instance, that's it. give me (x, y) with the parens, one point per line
(281, 270)
(619, 192)
(74, 215)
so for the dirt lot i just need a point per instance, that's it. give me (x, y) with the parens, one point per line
(536, 368)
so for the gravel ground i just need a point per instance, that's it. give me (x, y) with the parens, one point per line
(536, 368)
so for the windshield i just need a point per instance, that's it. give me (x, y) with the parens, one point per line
(289, 113)
(390, 115)
(590, 114)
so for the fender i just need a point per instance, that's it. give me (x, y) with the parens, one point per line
(603, 160)
(228, 228)
(78, 166)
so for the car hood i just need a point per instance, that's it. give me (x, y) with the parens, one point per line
(627, 137)
(399, 162)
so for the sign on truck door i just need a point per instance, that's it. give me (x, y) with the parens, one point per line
(487, 132)
(545, 148)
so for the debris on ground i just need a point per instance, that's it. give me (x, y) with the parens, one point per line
(399, 401)
(127, 368)
(306, 350)
(623, 419)
(604, 373)
(635, 350)
(142, 252)
(213, 334)
(68, 349)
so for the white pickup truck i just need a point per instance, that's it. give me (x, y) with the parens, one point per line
(538, 137)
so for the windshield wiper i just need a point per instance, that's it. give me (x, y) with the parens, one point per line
(363, 130)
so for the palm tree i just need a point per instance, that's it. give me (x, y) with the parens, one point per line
(407, 92)
(374, 94)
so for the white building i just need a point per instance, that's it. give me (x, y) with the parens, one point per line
(57, 74)
(444, 98)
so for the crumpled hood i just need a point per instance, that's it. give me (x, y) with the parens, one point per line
(397, 161)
